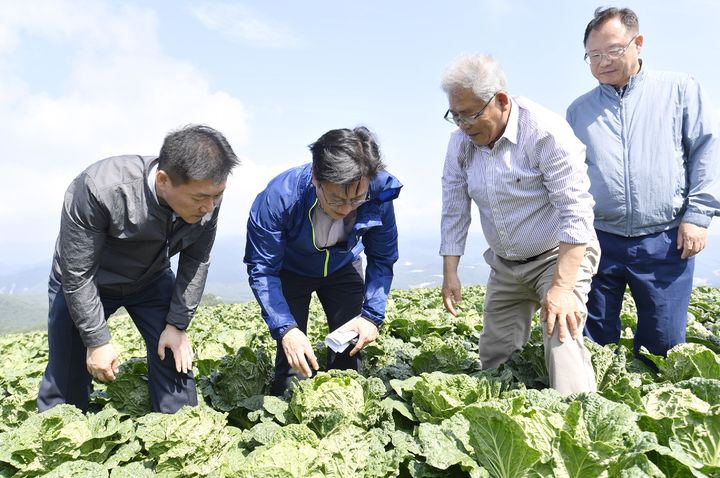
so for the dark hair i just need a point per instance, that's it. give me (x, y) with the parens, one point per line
(196, 152)
(602, 15)
(344, 156)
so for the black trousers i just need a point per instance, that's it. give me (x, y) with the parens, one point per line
(341, 296)
(66, 379)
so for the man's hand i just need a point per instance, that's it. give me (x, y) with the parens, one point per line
(367, 332)
(297, 348)
(451, 293)
(691, 239)
(451, 283)
(178, 342)
(102, 362)
(560, 307)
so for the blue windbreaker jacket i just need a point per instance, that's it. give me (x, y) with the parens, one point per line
(280, 236)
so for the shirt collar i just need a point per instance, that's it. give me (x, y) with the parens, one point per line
(511, 128)
(151, 181)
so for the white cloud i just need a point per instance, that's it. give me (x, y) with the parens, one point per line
(101, 25)
(242, 187)
(119, 95)
(241, 23)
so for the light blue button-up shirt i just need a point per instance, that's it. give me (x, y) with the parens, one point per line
(653, 153)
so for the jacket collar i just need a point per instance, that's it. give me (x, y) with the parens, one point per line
(634, 83)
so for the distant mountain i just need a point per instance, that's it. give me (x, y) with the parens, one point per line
(23, 290)
(31, 279)
(22, 313)
(419, 265)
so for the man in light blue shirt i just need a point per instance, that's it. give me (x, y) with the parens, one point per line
(652, 155)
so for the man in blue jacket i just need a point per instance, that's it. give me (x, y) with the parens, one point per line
(305, 233)
(652, 156)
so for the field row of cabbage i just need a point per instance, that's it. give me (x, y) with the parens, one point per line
(421, 408)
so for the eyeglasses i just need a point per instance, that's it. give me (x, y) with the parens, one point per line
(468, 120)
(343, 203)
(597, 58)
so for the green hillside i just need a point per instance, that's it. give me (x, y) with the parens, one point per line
(421, 408)
(21, 313)
(25, 313)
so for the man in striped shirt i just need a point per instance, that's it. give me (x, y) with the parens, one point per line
(525, 170)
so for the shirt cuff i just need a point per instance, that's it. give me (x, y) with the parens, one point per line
(178, 321)
(97, 338)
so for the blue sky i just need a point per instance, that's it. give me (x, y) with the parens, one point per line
(82, 80)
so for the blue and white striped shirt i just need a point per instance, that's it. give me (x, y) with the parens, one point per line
(531, 188)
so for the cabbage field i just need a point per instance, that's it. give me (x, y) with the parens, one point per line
(421, 408)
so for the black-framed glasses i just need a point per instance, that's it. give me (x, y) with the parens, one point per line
(467, 120)
(597, 58)
(357, 203)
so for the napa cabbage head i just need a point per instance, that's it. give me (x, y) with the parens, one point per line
(338, 397)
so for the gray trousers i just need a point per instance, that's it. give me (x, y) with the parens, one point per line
(514, 293)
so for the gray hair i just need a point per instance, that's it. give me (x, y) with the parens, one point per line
(481, 74)
(196, 152)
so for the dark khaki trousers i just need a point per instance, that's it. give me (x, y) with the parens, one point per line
(514, 293)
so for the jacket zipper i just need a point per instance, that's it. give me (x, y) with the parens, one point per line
(626, 161)
(312, 228)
